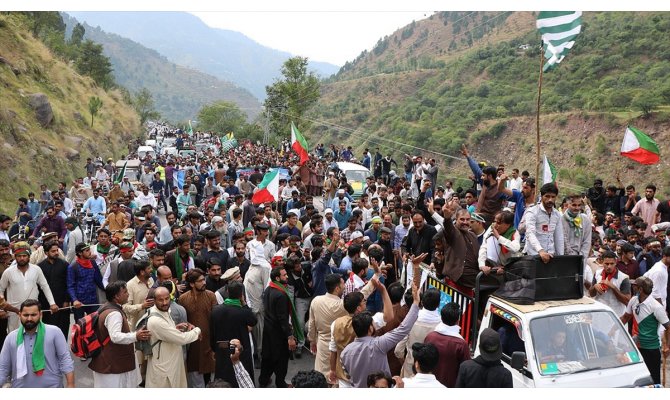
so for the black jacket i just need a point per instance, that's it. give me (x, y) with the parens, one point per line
(477, 373)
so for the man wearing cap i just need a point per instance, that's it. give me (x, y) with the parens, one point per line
(20, 282)
(329, 221)
(648, 314)
(126, 252)
(341, 196)
(485, 370)
(38, 255)
(83, 276)
(258, 276)
(231, 275)
(373, 232)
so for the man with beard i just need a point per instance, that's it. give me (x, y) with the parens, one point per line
(165, 234)
(20, 281)
(214, 271)
(544, 230)
(181, 259)
(5, 261)
(461, 254)
(647, 208)
(596, 195)
(168, 370)
(83, 276)
(279, 336)
(73, 237)
(384, 242)
(36, 355)
(116, 366)
(419, 241)
(54, 269)
(577, 229)
(490, 199)
(199, 302)
(239, 260)
(214, 249)
(231, 320)
(105, 251)
(523, 199)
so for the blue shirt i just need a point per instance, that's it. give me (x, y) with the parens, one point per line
(34, 207)
(342, 219)
(519, 208)
(96, 206)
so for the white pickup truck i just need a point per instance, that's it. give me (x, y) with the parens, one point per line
(565, 344)
(572, 342)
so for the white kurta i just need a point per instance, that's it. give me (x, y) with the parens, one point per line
(130, 379)
(21, 287)
(166, 369)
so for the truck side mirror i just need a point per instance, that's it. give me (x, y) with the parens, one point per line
(518, 360)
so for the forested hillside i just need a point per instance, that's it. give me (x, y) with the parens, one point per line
(178, 92)
(472, 77)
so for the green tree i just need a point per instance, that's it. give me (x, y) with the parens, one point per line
(92, 62)
(94, 105)
(77, 34)
(290, 97)
(45, 21)
(221, 117)
(143, 103)
(646, 102)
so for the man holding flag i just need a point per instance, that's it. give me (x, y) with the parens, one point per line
(36, 355)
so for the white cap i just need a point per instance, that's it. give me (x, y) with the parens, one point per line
(328, 211)
(356, 235)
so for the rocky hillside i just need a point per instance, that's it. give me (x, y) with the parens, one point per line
(45, 130)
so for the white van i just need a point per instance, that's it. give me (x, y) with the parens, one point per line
(143, 151)
(356, 175)
(170, 151)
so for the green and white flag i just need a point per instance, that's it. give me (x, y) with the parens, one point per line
(548, 171)
(121, 174)
(558, 30)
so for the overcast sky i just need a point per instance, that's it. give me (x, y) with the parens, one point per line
(335, 37)
(333, 31)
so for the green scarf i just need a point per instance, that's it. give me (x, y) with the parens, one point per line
(179, 264)
(509, 233)
(297, 332)
(102, 250)
(575, 222)
(233, 302)
(39, 361)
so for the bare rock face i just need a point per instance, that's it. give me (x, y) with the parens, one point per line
(43, 112)
(71, 154)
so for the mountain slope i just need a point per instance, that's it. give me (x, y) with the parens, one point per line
(438, 83)
(35, 154)
(185, 40)
(179, 92)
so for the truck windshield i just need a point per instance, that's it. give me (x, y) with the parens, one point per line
(570, 343)
(356, 176)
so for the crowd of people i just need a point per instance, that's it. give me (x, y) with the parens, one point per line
(228, 291)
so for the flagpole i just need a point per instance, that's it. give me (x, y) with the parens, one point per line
(539, 95)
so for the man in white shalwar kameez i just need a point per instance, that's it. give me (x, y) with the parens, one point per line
(165, 368)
